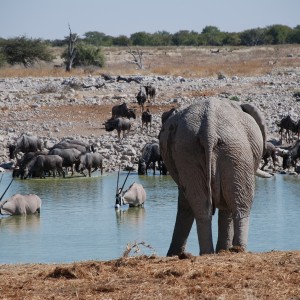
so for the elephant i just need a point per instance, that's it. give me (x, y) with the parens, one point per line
(212, 150)
(21, 205)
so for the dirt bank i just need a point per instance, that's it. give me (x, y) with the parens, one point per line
(274, 275)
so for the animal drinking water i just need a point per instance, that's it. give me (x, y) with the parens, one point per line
(135, 195)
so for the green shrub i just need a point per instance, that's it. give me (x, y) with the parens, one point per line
(26, 51)
(87, 55)
(234, 98)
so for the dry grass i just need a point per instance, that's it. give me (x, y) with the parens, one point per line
(179, 61)
(274, 275)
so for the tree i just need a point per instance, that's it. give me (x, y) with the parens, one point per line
(253, 37)
(161, 38)
(294, 35)
(87, 55)
(98, 38)
(211, 35)
(26, 51)
(185, 38)
(71, 50)
(140, 38)
(278, 34)
(137, 57)
(121, 40)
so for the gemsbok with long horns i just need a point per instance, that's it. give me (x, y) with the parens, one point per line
(135, 195)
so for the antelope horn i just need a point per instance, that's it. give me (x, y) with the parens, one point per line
(6, 189)
(262, 174)
(117, 191)
(125, 180)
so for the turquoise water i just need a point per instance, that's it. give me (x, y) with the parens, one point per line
(78, 220)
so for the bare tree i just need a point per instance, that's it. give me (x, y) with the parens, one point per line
(137, 57)
(71, 50)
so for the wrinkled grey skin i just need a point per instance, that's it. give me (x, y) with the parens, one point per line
(21, 205)
(212, 150)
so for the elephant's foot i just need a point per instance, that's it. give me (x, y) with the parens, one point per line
(181, 255)
(237, 249)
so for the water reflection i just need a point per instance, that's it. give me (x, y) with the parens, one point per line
(133, 216)
(15, 224)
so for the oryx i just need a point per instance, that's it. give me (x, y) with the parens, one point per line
(135, 195)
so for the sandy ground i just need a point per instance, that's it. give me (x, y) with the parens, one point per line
(274, 275)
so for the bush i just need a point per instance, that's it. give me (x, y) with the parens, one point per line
(26, 51)
(87, 55)
(2, 59)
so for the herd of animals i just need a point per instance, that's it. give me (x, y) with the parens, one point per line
(212, 150)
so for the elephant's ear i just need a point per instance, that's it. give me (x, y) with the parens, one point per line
(258, 117)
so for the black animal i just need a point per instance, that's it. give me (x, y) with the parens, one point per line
(150, 92)
(78, 142)
(288, 124)
(120, 124)
(71, 145)
(150, 154)
(89, 161)
(21, 164)
(41, 164)
(165, 115)
(70, 157)
(141, 99)
(290, 158)
(270, 151)
(122, 111)
(146, 119)
(25, 144)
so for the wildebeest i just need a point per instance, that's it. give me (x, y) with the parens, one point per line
(270, 151)
(288, 124)
(119, 124)
(141, 99)
(150, 154)
(291, 156)
(150, 92)
(21, 205)
(89, 161)
(44, 163)
(122, 110)
(165, 115)
(23, 161)
(71, 145)
(25, 144)
(69, 156)
(146, 119)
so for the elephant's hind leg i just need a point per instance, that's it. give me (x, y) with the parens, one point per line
(225, 230)
(241, 228)
(183, 225)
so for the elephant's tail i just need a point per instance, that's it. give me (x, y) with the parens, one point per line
(208, 157)
(208, 142)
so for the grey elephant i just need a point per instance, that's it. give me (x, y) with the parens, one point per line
(21, 205)
(212, 150)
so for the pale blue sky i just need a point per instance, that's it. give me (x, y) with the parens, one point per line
(49, 19)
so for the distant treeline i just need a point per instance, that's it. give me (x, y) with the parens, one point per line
(210, 36)
(27, 51)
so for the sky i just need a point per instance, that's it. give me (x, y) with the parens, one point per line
(50, 19)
